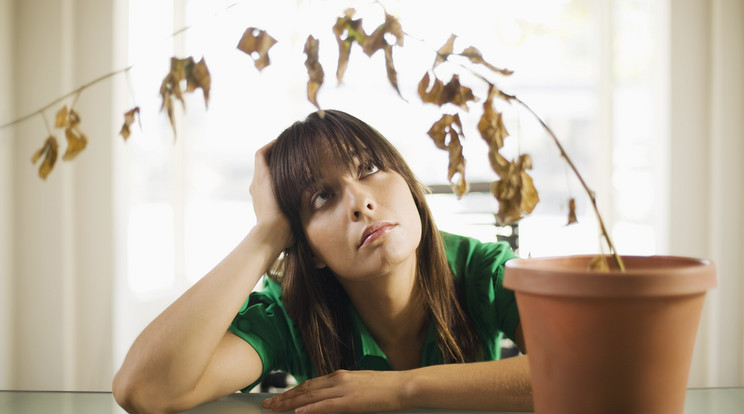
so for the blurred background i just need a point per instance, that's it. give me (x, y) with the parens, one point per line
(646, 95)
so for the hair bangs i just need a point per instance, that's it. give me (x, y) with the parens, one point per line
(310, 150)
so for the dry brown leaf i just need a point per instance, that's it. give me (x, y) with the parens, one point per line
(525, 162)
(493, 128)
(499, 163)
(61, 120)
(347, 30)
(76, 143)
(572, 211)
(255, 41)
(440, 94)
(125, 132)
(459, 95)
(314, 70)
(49, 152)
(170, 88)
(519, 198)
(392, 26)
(344, 52)
(376, 41)
(197, 76)
(168, 105)
(171, 85)
(475, 56)
(443, 128)
(129, 117)
(430, 94)
(445, 51)
(598, 263)
(390, 68)
(456, 166)
(493, 131)
(73, 119)
(515, 191)
(76, 140)
(450, 126)
(66, 118)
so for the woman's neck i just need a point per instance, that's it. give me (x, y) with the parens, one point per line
(393, 311)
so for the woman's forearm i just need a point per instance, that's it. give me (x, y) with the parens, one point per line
(502, 385)
(494, 386)
(171, 354)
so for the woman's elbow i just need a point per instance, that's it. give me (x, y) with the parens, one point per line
(125, 392)
(136, 396)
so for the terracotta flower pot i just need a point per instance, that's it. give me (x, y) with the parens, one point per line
(610, 342)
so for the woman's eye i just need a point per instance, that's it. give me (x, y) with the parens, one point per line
(320, 198)
(369, 169)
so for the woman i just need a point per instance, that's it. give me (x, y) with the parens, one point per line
(374, 304)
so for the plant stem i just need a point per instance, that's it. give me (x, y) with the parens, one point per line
(61, 98)
(564, 154)
(589, 192)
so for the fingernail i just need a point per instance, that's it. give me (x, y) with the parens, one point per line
(268, 402)
(300, 410)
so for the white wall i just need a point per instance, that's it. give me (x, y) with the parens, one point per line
(706, 178)
(726, 215)
(63, 273)
(6, 191)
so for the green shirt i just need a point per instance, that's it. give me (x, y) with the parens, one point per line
(478, 266)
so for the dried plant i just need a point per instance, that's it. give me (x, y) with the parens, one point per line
(514, 189)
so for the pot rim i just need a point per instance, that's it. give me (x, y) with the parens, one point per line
(645, 276)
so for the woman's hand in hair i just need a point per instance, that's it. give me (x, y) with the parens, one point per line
(344, 391)
(268, 214)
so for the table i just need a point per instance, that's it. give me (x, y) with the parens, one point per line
(699, 401)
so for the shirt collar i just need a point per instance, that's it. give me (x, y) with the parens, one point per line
(369, 356)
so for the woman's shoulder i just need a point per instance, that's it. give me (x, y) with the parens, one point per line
(479, 268)
(270, 293)
(464, 251)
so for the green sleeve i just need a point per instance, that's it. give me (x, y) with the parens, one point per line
(264, 324)
(479, 268)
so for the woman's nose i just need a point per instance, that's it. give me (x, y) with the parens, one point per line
(358, 212)
(360, 201)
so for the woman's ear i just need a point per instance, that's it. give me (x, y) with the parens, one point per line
(319, 264)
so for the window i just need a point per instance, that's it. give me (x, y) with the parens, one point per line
(585, 66)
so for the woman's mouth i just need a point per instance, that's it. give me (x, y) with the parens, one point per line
(374, 232)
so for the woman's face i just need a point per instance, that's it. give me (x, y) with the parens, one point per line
(361, 224)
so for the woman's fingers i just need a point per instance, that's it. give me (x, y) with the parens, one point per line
(310, 391)
(312, 399)
(333, 405)
(265, 204)
(349, 391)
(261, 169)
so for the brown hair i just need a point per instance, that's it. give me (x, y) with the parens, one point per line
(314, 297)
